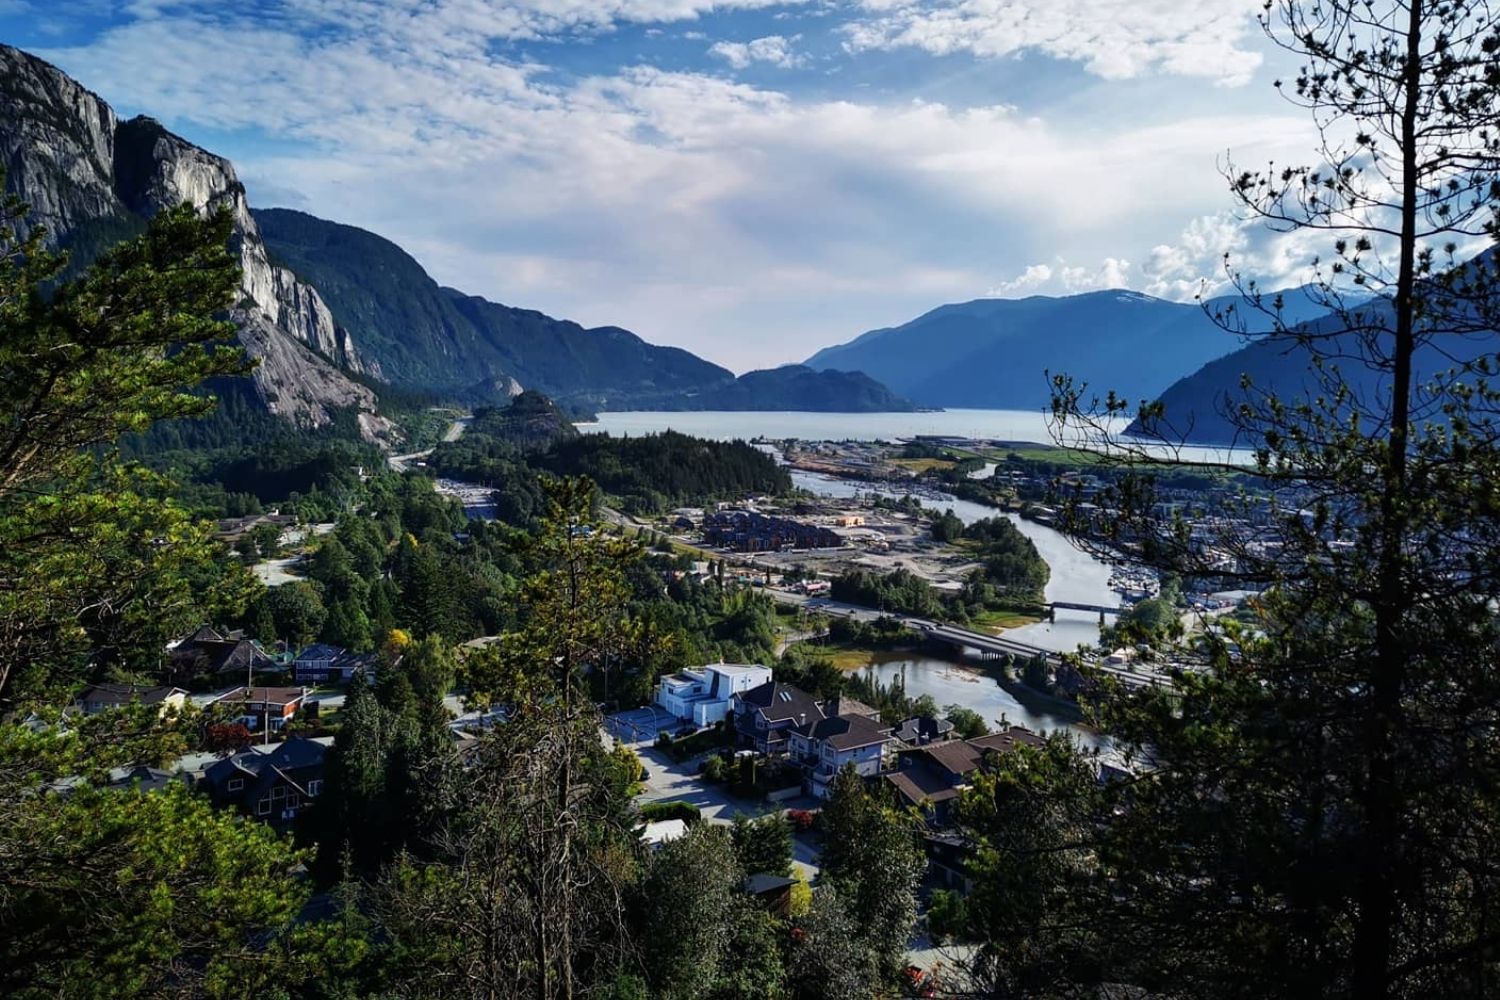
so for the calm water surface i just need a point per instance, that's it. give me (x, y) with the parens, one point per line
(952, 682)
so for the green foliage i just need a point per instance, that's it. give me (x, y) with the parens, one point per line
(687, 902)
(829, 958)
(872, 857)
(645, 475)
(764, 844)
(99, 569)
(655, 812)
(947, 915)
(120, 894)
(1031, 813)
(967, 723)
(900, 591)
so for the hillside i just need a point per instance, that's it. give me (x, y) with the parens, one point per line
(1199, 407)
(431, 338)
(996, 353)
(93, 180)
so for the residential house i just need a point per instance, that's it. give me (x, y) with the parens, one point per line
(324, 663)
(102, 697)
(219, 653)
(824, 747)
(144, 779)
(702, 696)
(844, 705)
(764, 716)
(930, 777)
(272, 786)
(260, 707)
(922, 730)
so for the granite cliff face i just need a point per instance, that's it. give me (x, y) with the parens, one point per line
(92, 180)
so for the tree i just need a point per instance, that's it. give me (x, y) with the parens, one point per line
(84, 580)
(966, 722)
(764, 844)
(526, 887)
(1314, 817)
(1031, 815)
(872, 857)
(828, 957)
(297, 610)
(117, 893)
(688, 897)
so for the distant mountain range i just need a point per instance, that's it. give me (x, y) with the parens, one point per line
(425, 336)
(1201, 407)
(331, 312)
(996, 353)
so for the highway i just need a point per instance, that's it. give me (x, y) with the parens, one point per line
(957, 636)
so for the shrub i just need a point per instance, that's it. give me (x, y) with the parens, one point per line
(653, 812)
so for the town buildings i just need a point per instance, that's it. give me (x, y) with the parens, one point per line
(263, 708)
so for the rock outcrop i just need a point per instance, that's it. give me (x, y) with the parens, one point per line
(91, 180)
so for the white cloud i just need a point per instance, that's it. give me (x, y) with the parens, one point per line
(745, 223)
(773, 49)
(1034, 277)
(1114, 39)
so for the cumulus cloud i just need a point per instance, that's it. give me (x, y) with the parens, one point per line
(1035, 276)
(773, 49)
(1114, 39)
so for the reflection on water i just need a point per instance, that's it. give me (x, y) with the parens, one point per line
(953, 682)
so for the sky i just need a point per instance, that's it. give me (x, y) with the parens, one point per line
(748, 179)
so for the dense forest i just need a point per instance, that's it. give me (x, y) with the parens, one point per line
(506, 449)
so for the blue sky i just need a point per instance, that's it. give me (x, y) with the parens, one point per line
(750, 180)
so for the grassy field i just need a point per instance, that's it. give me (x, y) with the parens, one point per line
(845, 656)
(999, 621)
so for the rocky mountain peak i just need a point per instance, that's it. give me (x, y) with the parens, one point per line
(91, 179)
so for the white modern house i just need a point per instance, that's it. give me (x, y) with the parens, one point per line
(701, 695)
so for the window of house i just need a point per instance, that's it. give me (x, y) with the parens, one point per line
(263, 807)
(278, 792)
(235, 784)
(315, 786)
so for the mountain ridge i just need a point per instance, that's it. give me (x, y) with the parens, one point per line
(996, 353)
(375, 287)
(91, 180)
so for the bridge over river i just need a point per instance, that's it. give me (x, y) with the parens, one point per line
(953, 635)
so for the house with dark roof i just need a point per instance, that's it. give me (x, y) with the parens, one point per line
(764, 716)
(323, 663)
(826, 746)
(210, 651)
(930, 777)
(102, 697)
(271, 786)
(922, 730)
(774, 892)
(259, 707)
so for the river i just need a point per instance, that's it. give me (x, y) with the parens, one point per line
(1076, 576)
(953, 682)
